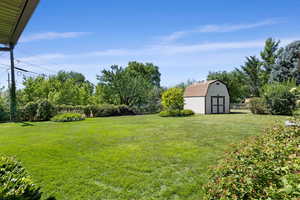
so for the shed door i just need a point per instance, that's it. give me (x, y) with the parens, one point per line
(217, 104)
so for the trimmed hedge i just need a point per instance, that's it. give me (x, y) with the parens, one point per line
(68, 117)
(264, 167)
(15, 183)
(41, 110)
(176, 113)
(104, 110)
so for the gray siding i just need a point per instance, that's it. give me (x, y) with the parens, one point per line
(215, 89)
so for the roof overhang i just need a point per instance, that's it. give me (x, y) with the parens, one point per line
(14, 16)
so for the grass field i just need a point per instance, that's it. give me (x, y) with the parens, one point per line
(134, 157)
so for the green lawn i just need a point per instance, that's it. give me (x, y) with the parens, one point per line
(134, 157)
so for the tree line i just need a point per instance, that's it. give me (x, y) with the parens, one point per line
(137, 85)
(275, 64)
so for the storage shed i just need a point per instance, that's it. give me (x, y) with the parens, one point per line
(209, 97)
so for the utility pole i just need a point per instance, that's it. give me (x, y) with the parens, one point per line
(12, 89)
(13, 99)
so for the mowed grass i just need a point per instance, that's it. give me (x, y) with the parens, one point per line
(133, 157)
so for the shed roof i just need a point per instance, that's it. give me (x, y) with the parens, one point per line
(198, 89)
(14, 16)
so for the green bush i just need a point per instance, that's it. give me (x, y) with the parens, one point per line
(258, 106)
(4, 116)
(264, 167)
(70, 108)
(29, 111)
(176, 113)
(187, 112)
(279, 98)
(172, 99)
(15, 183)
(45, 110)
(68, 117)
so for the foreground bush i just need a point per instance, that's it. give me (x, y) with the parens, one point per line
(279, 98)
(172, 99)
(176, 113)
(258, 106)
(68, 117)
(265, 167)
(15, 183)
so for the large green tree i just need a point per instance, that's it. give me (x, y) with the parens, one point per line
(287, 64)
(269, 55)
(119, 86)
(70, 88)
(148, 71)
(252, 69)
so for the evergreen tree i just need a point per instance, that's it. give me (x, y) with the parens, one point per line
(287, 64)
(269, 56)
(253, 72)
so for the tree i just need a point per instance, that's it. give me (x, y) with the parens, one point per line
(184, 85)
(269, 56)
(252, 71)
(70, 88)
(119, 86)
(172, 99)
(148, 71)
(235, 82)
(287, 64)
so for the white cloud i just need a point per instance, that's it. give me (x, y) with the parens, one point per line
(156, 50)
(218, 29)
(52, 35)
(43, 57)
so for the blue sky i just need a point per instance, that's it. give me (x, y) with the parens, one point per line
(186, 39)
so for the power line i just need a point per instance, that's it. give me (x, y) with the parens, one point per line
(35, 66)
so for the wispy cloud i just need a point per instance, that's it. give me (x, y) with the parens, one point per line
(212, 28)
(52, 35)
(157, 50)
(43, 57)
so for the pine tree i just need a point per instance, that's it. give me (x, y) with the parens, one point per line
(253, 72)
(269, 56)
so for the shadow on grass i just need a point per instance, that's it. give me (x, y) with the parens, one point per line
(26, 124)
(239, 112)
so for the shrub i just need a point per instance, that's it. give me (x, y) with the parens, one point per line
(172, 99)
(125, 110)
(29, 111)
(279, 98)
(68, 117)
(97, 110)
(176, 113)
(15, 183)
(4, 116)
(70, 108)
(258, 106)
(187, 112)
(45, 110)
(263, 167)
